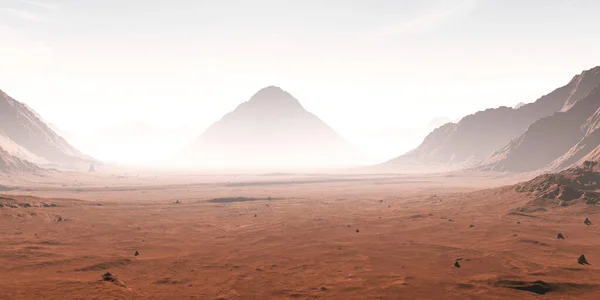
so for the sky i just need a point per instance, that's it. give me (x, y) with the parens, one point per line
(138, 80)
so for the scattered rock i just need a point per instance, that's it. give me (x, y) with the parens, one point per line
(560, 236)
(59, 219)
(109, 277)
(587, 222)
(136, 253)
(457, 265)
(582, 260)
(538, 287)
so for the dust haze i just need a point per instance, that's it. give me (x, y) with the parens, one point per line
(308, 150)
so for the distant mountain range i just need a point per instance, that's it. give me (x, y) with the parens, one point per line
(271, 129)
(26, 142)
(554, 132)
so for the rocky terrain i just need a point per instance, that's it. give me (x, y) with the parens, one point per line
(579, 184)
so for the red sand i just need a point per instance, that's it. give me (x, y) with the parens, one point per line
(301, 244)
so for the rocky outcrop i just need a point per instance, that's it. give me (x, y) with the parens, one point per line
(577, 184)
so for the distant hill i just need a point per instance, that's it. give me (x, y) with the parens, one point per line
(271, 129)
(475, 137)
(24, 135)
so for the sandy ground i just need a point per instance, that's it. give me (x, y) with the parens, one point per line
(299, 240)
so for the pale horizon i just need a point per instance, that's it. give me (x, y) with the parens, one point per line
(152, 76)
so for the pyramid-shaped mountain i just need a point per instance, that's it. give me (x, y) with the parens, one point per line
(475, 137)
(271, 129)
(24, 135)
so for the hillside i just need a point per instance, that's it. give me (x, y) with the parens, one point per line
(475, 137)
(25, 135)
(555, 142)
(12, 164)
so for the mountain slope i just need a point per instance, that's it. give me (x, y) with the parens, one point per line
(271, 129)
(555, 142)
(12, 164)
(477, 136)
(24, 130)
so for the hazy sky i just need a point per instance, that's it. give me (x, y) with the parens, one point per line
(376, 71)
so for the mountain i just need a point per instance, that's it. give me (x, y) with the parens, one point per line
(271, 129)
(558, 141)
(519, 105)
(24, 135)
(12, 164)
(475, 137)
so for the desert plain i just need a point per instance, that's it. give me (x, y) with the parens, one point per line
(284, 236)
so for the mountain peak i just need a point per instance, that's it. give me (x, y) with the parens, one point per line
(273, 95)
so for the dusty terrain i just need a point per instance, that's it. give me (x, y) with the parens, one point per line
(289, 237)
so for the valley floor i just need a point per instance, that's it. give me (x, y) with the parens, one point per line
(361, 237)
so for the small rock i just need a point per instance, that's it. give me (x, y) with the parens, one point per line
(457, 265)
(587, 222)
(136, 253)
(582, 260)
(471, 226)
(357, 231)
(109, 277)
(560, 236)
